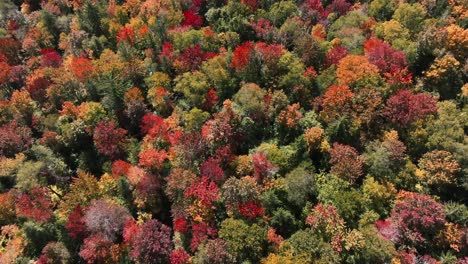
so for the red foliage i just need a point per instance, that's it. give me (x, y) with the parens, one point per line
(126, 34)
(10, 49)
(130, 229)
(36, 205)
(251, 209)
(179, 256)
(96, 249)
(192, 20)
(406, 107)
(200, 233)
(120, 168)
(334, 55)
(5, 70)
(382, 55)
(50, 58)
(82, 68)
(263, 28)
(417, 217)
(241, 55)
(262, 166)
(213, 171)
(181, 225)
(152, 243)
(157, 128)
(314, 10)
(346, 162)
(211, 99)
(75, 225)
(193, 56)
(387, 230)
(109, 139)
(339, 6)
(167, 53)
(253, 4)
(36, 84)
(153, 158)
(14, 139)
(203, 190)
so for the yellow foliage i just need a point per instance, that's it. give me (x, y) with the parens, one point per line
(457, 40)
(441, 66)
(83, 190)
(8, 167)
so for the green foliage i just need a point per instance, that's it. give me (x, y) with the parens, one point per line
(245, 242)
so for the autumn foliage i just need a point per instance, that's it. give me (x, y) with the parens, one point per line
(222, 132)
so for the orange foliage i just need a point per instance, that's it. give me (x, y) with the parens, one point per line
(353, 68)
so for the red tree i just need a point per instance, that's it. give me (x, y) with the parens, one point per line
(346, 162)
(406, 107)
(334, 55)
(109, 139)
(241, 55)
(203, 190)
(14, 139)
(382, 55)
(179, 256)
(153, 158)
(76, 225)
(191, 19)
(418, 218)
(212, 170)
(36, 205)
(152, 243)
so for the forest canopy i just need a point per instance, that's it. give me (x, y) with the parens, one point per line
(237, 131)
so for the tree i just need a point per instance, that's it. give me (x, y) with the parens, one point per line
(35, 205)
(346, 162)
(411, 16)
(15, 138)
(439, 167)
(152, 243)
(194, 86)
(418, 218)
(236, 233)
(106, 218)
(109, 139)
(54, 252)
(76, 225)
(406, 107)
(354, 70)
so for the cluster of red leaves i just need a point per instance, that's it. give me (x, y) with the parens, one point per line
(179, 256)
(75, 225)
(406, 107)
(14, 139)
(417, 217)
(50, 58)
(262, 166)
(346, 162)
(263, 28)
(192, 57)
(204, 191)
(35, 205)
(109, 139)
(120, 168)
(213, 171)
(251, 209)
(339, 6)
(151, 243)
(387, 230)
(192, 20)
(157, 128)
(200, 233)
(126, 34)
(314, 9)
(241, 55)
(384, 56)
(96, 249)
(181, 225)
(334, 55)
